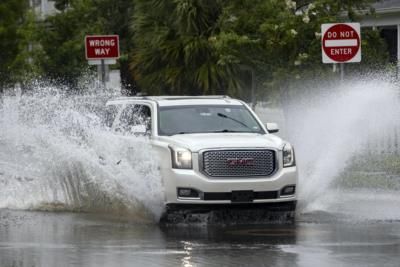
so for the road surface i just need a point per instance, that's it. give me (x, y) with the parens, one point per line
(29, 238)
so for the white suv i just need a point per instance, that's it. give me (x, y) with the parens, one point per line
(211, 149)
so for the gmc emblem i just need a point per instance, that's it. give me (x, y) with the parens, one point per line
(240, 162)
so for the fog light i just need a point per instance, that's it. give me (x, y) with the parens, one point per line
(288, 190)
(187, 193)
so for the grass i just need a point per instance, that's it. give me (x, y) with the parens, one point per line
(372, 171)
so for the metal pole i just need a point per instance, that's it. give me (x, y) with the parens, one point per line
(341, 72)
(398, 52)
(43, 9)
(253, 90)
(103, 73)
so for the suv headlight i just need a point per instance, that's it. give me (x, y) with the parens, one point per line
(288, 156)
(181, 158)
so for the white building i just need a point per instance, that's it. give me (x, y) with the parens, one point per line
(387, 20)
(43, 7)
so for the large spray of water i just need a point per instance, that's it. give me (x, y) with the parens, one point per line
(329, 130)
(55, 154)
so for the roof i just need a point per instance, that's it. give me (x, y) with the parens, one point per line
(387, 6)
(386, 14)
(181, 100)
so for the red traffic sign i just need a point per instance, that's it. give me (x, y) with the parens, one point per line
(102, 47)
(341, 42)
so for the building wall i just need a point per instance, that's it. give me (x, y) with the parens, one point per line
(43, 7)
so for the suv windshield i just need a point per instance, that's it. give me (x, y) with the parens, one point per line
(206, 119)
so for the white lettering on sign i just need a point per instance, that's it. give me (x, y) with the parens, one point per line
(341, 51)
(332, 35)
(347, 34)
(103, 43)
(101, 51)
(101, 47)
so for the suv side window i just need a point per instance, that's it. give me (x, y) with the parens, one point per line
(135, 119)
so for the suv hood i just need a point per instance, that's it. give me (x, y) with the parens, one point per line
(196, 142)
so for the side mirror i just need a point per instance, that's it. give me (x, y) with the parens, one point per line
(139, 129)
(272, 127)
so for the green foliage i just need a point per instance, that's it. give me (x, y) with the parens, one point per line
(12, 13)
(378, 171)
(186, 47)
(62, 39)
(63, 34)
(374, 51)
(175, 50)
(25, 65)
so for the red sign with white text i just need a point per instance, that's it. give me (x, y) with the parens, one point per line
(341, 43)
(102, 47)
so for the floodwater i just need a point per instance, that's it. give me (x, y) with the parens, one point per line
(73, 239)
(74, 194)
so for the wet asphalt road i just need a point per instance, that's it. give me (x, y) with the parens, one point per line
(73, 239)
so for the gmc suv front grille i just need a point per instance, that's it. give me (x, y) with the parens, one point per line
(239, 163)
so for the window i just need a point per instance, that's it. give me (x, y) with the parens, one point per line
(207, 119)
(135, 119)
(110, 115)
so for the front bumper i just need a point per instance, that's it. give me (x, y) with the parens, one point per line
(272, 206)
(220, 190)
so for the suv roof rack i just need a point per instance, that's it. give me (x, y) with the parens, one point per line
(172, 97)
(192, 97)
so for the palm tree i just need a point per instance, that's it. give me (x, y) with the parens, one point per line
(175, 49)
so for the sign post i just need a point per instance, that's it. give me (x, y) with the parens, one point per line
(341, 43)
(103, 73)
(102, 50)
(341, 72)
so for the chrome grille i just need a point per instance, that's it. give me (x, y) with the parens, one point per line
(239, 163)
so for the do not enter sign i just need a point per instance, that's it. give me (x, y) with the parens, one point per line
(341, 42)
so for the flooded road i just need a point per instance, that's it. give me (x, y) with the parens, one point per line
(76, 239)
(65, 180)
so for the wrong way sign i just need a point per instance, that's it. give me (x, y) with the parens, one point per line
(341, 42)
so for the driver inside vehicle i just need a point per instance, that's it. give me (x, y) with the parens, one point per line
(145, 117)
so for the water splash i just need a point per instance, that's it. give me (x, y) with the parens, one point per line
(329, 130)
(55, 154)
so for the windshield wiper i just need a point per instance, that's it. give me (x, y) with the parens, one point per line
(225, 131)
(233, 119)
(181, 133)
